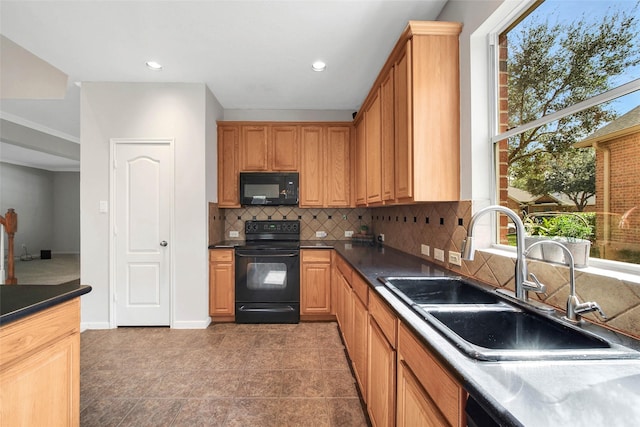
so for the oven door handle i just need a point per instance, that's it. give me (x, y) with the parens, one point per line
(266, 308)
(265, 254)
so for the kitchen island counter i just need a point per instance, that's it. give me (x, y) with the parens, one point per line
(18, 301)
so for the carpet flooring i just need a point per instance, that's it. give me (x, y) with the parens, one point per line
(61, 268)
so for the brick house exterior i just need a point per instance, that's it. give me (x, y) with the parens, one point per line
(617, 148)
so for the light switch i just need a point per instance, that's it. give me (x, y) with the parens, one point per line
(104, 206)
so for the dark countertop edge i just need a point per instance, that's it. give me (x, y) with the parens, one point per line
(32, 307)
(304, 244)
(480, 394)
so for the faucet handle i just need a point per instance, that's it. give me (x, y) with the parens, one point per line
(534, 286)
(590, 306)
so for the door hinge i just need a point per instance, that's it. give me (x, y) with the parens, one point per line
(115, 164)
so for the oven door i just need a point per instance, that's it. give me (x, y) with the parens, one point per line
(267, 285)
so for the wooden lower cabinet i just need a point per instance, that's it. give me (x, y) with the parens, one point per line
(315, 284)
(381, 378)
(415, 407)
(427, 395)
(40, 368)
(222, 285)
(381, 385)
(401, 382)
(360, 344)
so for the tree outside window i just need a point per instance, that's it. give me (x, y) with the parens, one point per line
(560, 131)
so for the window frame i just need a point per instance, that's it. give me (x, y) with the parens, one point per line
(620, 269)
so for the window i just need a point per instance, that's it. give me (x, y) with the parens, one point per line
(567, 132)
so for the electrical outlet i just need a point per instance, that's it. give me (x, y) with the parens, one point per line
(455, 258)
(438, 254)
(321, 234)
(425, 250)
(381, 237)
(233, 233)
(348, 233)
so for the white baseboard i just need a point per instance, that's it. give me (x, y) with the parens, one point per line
(192, 324)
(94, 325)
(189, 324)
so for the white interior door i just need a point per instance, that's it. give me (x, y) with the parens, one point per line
(142, 200)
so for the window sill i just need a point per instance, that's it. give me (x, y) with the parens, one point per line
(598, 267)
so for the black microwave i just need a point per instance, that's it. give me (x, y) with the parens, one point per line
(268, 188)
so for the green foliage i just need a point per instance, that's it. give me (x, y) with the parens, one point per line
(552, 66)
(572, 172)
(571, 226)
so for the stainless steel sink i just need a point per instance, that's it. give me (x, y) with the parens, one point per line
(487, 326)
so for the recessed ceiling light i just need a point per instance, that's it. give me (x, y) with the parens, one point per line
(318, 66)
(153, 65)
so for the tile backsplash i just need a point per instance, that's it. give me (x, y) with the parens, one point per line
(334, 222)
(443, 226)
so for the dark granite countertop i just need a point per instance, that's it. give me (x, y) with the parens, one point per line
(527, 393)
(18, 301)
(515, 393)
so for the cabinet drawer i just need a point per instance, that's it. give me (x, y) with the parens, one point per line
(344, 268)
(384, 317)
(218, 255)
(316, 255)
(442, 389)
(21, 338)
(360, 287)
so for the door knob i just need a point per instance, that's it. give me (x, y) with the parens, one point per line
(163, 243)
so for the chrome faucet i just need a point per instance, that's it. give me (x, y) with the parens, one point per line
(574, 307)
(522, 284)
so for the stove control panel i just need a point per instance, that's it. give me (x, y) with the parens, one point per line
(272, 227)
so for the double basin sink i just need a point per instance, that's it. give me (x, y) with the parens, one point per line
(487, 326)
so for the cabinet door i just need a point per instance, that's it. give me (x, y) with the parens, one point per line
(337, 170)
(381, 378)
(43, 389)
(360, 338)
(311, 167)
(284, 148)
(415, 408)
(374, 151)
(388, 137)
(402, 113)
(254, 151)
(361, 162)
(228, 164)
(315, 286)
(221, 283)
(347, 315)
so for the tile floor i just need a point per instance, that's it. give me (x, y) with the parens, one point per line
(225, 375)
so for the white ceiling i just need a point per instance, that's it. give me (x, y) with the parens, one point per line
(251, 54)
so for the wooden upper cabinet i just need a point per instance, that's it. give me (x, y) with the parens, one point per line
(228, 165)
(284, 150)
(311, 166)
(320, 152)
(402, 111)
(433, 119)
(360, 162)
(254, 148)
(325, 177)
(373, 146)
(387, 136)
(423, 119)
(338, 175)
